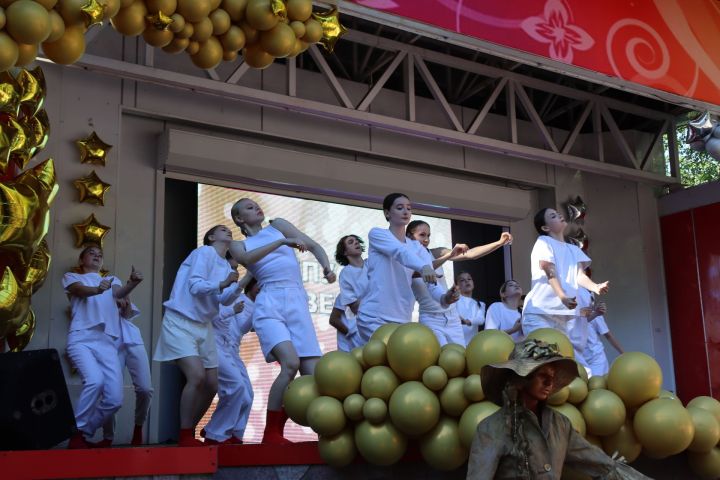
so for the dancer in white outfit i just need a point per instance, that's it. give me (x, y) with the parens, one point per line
(471, 311)
(504, 315)
(235, 392)
(134, 357)
(595, 349)
(203, 282)
(93, 341)
(444, 322)
(282, 320)
(353, 287)
(392, 260)
(557, 271)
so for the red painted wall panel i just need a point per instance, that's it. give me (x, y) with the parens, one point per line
(684, 306)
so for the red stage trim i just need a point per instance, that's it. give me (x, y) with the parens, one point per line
(108, 462)
(254, 454)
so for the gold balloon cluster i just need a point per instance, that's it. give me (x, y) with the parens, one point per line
(402, 387)
(25, 200)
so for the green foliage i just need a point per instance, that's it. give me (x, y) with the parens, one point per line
(695, 167)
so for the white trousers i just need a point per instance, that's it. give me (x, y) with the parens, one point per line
(95, 355)
(235, 395)
(135, 359)
(446, 327)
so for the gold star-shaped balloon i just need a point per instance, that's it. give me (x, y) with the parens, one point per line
(14, 303)
(37, 269)
(159, 20)
(332, 29)
(90, 232)
(93, 150)
(20, 151)
(93, 13)
(20, 338)
(32, 90)
(9, 94)
(92, 189)
(37, 129)
(278, 8)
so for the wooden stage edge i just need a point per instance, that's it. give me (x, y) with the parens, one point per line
(149, 460)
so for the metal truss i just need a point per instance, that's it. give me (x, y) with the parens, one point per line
(519, 98)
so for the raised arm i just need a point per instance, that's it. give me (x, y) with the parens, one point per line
(134, 280)
(554, 281)
(292, 232)
(584, 281)
(482, 250)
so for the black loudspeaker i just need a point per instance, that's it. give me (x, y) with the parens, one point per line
(35, 408)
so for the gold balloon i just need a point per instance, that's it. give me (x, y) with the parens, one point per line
(90, 232)
(705, 465)
(57, 26)
(48, 4)
(260, 16)
(298, 28)
(68, 48)
(441, 447)
(574, 415)
(38, 266)
(707, 430)
(338, 450)
(167, 7)
(92, 189)
(112, 7)
(93, 13)
(559, 397)
(18, 340)
(202, 30)
(331, 27)
(378, 382)
(192, 48)
(14, 304)
(578, 390)
(299, 10)
(252, 35)
(93, 150)
(383, 333)
(471, 418)
(71, 12)
(24, 209)
(706, 403)
(298, 396)
(380, 444)
(669, 395)
(413, 408)
(375, 411)
(187, 32)
(338, 374)
(472, 389)
(582, 372)
(374, 352)
(597, 382)
(604, 412)
(488, 346)
(209, 55)
(8, 51)
(278, 41)
(194, 10)
(220, 21)
(3, 18)
(313, 31)
(235, 8)
(126, 3)
(550, 335)
(130, 21)
(28, 22)
(26, 54)
(452, 397)
(234, 39)
(159, 20)
(178, 23)
(635, 377)
(434, 378)
(157, 38)
(411, 349)
(453, 362)
(325, 415)
(663, 427)
(177, 45)
(230, 56)
(357, 352)
(353, 406)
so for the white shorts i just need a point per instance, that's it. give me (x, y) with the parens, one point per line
(535, 321)
(181, 337)
(281, 315)
(446, 327)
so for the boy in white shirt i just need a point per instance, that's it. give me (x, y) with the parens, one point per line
(353, 287)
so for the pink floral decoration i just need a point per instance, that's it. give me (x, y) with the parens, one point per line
(554, 28)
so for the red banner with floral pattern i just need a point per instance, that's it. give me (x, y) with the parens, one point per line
(670, 45)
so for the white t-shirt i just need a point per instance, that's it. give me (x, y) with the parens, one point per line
(470, 309)
(233, 325)
(196, 292)
(130, 332)
(501, 317)
(353, 287)
(280, 265)
(567, 259)
(390, 265)
(94, 310)
(595, 348)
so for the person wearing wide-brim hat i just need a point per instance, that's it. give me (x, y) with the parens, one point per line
(525, 439)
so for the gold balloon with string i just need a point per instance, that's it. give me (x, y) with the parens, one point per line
(92, 189)
(93, 150)
(90, 232)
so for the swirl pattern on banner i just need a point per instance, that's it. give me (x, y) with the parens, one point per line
(657, 63)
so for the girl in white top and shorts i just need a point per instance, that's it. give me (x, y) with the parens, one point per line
(94, 340)
(353, 287)
(505, 315)
(557, 271)
(471, 311)
(282, 319)
(392, 260)
(203, 282)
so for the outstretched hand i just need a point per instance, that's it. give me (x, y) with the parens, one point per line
(602, 288)
(135, 276)
(459, 249)
(505, 238)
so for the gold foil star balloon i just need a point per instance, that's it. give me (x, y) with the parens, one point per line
(332, 29)
(9, 95)
(92, 189)
(90, 232)
(159, 20)
(278, 8)
(32, 90)
(14, 303)
(20, 338)
(93, 150)
(37, 269)
(93, 13)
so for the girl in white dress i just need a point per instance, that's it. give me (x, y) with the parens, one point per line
(353, 287)
(94, 339)
(471, 311)
(558, 270)
(504, 315)
(282, 319)
(203, 282)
